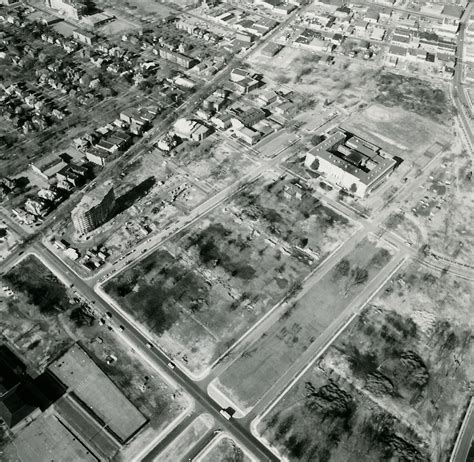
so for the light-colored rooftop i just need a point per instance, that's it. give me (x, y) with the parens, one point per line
(93, 198)
(379, 163)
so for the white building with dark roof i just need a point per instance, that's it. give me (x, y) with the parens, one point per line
(350, 163)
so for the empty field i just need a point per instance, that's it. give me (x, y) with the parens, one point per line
(31, 320)
(213, 160)
(344, 84)
(201, 293)
(187, 439)
(325, 418)
(205, 288)
(415, 95)
(275, 206)
(252, 374)
(397, 131)
(443, 208)
(395, 384)
(223, 449)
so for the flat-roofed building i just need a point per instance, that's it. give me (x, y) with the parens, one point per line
(69, 8)
(350, 163)
(191, 129)
(48, 168)
(81, 376)
(249, 135)
(83, 36)
(47, 438)
(97, 156)
(178, 58)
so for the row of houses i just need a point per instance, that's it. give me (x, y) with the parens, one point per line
(27, 108)
(106, 142)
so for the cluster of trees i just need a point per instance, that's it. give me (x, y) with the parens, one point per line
(415, 95)
(353, 276)
(41, 287)
(215, 248)
(330, 401)
(379, 428)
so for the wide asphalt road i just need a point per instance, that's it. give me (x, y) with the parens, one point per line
(133, 335)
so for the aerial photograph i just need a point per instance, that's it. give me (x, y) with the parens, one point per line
(236, 230)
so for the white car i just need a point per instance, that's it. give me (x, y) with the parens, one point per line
(149, 345)
(171, 365)
(225, 414)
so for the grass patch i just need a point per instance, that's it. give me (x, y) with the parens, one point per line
(398, 378)
(415, 95)
(40, 286)
(260, 366)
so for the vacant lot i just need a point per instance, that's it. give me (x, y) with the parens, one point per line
(40, 287)
(246, 380)
(394, 385)
(187, 439)
(31, 320)
(203, 290)
(325, 418)
(207, 288)
(443, 208)
(141, 6)
(224, 450)
(346, 84)
(212, 160)
(414, 95)
(274, 206)
(397, 131)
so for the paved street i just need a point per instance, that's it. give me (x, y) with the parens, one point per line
(197, 387)
(466, 436)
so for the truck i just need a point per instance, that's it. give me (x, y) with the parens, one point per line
(227, 413)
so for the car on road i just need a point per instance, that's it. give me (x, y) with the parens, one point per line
(225, 413)
(171, 365)
(149, 345)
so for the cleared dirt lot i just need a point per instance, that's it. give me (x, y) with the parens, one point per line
(188, 438)
(198, 308)
(223, 449)
(394, 385)
(346, 84)
(214, 160)
(201, 291)
(397, 131)
(31, 320)
(253, 373)
(440, 211)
